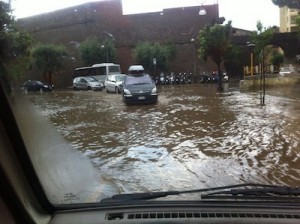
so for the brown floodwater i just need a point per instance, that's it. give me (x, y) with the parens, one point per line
(193, 137)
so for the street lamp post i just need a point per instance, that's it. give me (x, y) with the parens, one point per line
(106, 51)
(154, 63)
(263, 80)
(194, 57)
(251, 46)
(105, 46)
(202, 11)
(110, 35)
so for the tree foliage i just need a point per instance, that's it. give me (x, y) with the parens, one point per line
(94, 50)
(261, 38)
(277, 59)
(18, 56)
(145, 52)
(214, 43)
(6, 21)
(14, 45)
(48, 58)
(293, 4)
(232, 60)
(297, 20)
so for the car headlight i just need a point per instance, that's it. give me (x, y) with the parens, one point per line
(127, 92)
(154, 90)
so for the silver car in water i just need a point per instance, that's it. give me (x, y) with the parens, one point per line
(87, 83)
(113, 83)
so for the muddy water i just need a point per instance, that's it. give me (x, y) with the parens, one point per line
(194, 137)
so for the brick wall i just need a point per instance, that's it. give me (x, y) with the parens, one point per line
(73, 25)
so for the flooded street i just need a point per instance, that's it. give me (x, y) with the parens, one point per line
(194, 137)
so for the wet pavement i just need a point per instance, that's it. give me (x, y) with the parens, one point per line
(193, 137)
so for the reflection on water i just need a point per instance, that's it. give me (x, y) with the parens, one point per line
(194, 137)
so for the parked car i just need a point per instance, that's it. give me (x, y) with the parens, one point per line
(138, 87)
(285, 70)
(35, 85)
(87, 83)
(113, 83)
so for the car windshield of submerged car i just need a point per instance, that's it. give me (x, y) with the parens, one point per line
(39, 82)
(91, 79)
(30, 82)
(119, 78)
(138, 80)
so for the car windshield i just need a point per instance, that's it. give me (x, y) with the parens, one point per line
(192, 128)
(119, 78)
(114, 69)
(136, 80)
(39, 82)
(91, 79)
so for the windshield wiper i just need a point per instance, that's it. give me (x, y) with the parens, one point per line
(256, 191)
(270, 192)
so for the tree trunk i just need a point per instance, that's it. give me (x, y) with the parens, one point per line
(50, 78)
(220, 80)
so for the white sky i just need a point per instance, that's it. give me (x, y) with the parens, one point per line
(243, 13)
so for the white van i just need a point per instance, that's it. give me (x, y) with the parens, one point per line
(101, 71)
(98, 71)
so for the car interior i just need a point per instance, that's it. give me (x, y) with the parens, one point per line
(23, 199)
(200, 154)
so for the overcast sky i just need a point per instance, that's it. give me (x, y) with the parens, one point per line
(244, 14)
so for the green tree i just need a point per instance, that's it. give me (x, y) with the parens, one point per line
(232, 60)
(277, 59)
(297, 20)
(294, 4)
(48, 58)
(18, 53)
(6, 21)
(214, 43)
(145, 52)
(94, 51)
(14, 46)
(261, 38)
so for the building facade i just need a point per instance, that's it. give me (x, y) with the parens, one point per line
(288, 19)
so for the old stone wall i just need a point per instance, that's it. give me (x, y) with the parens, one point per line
(73, 25)
(274, 80)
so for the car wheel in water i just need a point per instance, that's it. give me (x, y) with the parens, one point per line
(117, 90)
(89, 88)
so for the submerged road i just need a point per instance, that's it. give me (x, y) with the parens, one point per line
(193, 137)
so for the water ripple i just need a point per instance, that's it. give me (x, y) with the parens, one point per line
(194, 137)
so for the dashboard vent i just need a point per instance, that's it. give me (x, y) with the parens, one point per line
(185, 215)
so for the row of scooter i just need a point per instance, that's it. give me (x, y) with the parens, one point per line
(211, 78)
(173, 79)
